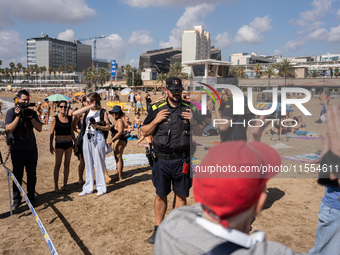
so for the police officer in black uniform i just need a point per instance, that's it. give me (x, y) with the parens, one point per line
(168, 121)
(236, 127)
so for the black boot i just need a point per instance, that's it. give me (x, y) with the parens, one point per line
(153, 237)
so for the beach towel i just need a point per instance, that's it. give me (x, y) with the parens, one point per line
(280, 146)
(307, 137)
(310, 157)
(138, 159)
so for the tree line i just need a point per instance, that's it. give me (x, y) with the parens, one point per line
(29, 72)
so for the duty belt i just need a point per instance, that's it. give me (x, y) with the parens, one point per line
(168, 156)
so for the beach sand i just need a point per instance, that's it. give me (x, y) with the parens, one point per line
(121, 221)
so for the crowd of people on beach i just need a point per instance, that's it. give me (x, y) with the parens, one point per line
(220, 221)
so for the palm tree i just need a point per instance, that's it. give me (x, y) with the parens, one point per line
(240, 72)
(103, 76)
(19, 66)
(314, 74)
(176, 71)
(0, 62)
(122, 69)
(24, 72)
(60, 70)
(257, 69)
(336, 72)
(2, 71)
(6, 73)
(43, 70)
(161, 78)
(233, 70)
(54, 71)
(284, 68)
(269, 73)
(127, 67)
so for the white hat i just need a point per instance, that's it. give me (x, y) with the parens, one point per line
(39, 102)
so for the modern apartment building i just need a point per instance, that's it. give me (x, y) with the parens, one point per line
(52, 52)
(196, 45)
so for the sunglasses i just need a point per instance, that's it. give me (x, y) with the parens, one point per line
(176, 91)
(63, 107)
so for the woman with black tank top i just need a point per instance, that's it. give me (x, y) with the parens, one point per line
(62, 128)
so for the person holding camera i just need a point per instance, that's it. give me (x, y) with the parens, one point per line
(20, 122)
(62, 128)
(168, 121)
(96, 122)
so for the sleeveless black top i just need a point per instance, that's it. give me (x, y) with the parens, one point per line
(62, 128)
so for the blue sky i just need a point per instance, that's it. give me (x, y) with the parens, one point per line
(287, 28)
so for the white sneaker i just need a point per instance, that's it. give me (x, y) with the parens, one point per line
(83, 193)
(100, 193)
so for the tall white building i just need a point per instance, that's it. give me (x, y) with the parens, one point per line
(196, 45)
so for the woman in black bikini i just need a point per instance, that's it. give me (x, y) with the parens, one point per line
(119, 140)
(62, 126)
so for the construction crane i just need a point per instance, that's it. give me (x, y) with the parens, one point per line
(94, 43)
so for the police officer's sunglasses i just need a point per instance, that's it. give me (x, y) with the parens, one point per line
(175, 91)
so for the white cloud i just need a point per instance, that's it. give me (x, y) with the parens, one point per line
(55, 11)
(141, 38)
(252, 33)
(261, 24)
(112, 47)
(248, 34)
(192, 16)
(223, 40)
(134, 63)
(321, 7)
(334, 35)
(298, 22)
(148, 3)
(12, 49)
(68, 35)
(277, 52)
(322, 34)
(338, 13)
(294, 45)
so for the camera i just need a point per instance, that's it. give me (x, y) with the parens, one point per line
(93, 121)
(25, 111)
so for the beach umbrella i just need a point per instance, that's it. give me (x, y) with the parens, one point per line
(78, 94)
(101, 91)
(126, 91)
(197, 104)
(278, 107)
(58, 97)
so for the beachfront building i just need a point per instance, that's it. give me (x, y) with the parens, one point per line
(52, 53)
(157, 60)
(196, 45)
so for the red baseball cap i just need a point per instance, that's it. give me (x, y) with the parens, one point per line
(228, 193)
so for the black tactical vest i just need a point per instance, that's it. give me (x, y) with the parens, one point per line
(173, 134)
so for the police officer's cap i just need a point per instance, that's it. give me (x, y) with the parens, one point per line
(173, 83)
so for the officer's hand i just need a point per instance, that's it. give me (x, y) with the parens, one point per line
(162, 115)
(17, 111)
(333, 141)
(187, 115)
(217, 106)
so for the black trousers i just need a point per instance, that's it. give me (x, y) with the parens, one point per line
(27, 159)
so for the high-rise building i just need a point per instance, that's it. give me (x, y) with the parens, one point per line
(196, 45)
(52, 52)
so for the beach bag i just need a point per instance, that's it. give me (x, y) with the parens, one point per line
(79, 139)
(105, 133)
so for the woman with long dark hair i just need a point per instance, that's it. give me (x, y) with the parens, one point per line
(62, 129)
(119, 140)
(77, 122)
(94, 144)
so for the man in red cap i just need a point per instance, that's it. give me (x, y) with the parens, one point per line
(229, 189)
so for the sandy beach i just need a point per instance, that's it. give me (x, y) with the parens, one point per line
(121, 221)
